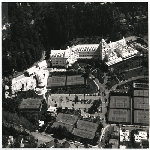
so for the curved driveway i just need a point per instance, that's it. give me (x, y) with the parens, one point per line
(131, 79)
(101, 87)
(103, 132)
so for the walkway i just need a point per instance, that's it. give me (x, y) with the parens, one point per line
(132, 69)
(131, 79)
(103, 133)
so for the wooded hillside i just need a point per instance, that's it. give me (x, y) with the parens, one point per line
(29, 29)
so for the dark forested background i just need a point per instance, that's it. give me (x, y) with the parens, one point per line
(29, 29)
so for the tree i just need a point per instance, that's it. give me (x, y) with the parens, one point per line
(76, 99)
(21, 46)
(94, 107)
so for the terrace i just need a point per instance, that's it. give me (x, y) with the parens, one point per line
(141, 117)
(89, 88)
(119, 115)
(120, 102)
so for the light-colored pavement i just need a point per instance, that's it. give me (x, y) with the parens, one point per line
(103, 132)
(133, 68)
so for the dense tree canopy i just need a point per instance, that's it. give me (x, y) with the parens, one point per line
(31, 28)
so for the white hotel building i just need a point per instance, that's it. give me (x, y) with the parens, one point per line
(72, 54)
(29, 83)
(93, 51)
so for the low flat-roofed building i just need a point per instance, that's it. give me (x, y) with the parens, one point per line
(142, 135)
(141, 93)
(141, 85)
(124, 135)
(119, 102)
(141, 102)
(119, 115)
(57, 124)
(83, 133)
(86, 125)
(66, 118)
(31, 104)
(141, 117)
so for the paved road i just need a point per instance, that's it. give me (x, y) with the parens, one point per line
(102, 89)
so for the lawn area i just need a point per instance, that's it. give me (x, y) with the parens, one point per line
(111, 83)
(135, 73)
(127, 75)
(97, 73)
(128, 64)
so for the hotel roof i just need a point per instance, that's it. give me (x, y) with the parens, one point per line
(141, 85)
(119, 102)
(141, 116)
(119, 115)
(124, 135)
(57, 53)
(86, 47)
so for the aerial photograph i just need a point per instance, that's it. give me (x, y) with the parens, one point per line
(75, 75)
